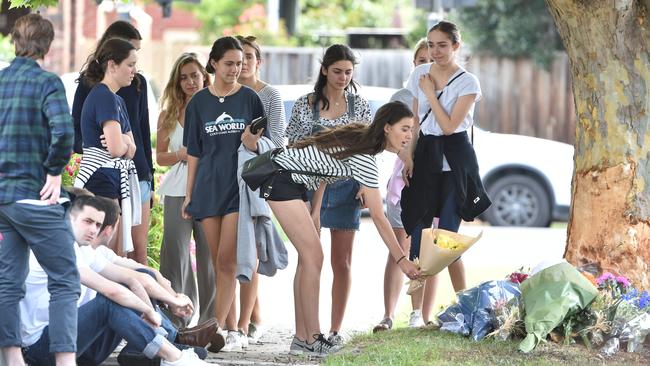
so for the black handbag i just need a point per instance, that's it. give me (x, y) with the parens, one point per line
(262, 169)
(259, 169)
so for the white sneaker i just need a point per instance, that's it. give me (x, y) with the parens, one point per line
(415, 320)
(234, 341)
(255, 332)
(243, 338)
(335, 338)
(188, 358)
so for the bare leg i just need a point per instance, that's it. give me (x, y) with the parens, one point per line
(226, 269)
(212, 231)
(296, 222)
(393, 276)
(341, 259)
(116, 241)
(247, 300)
(429, 297)
(13, 356)
(64, 359)
(140, 235)
(457, 274)
(256, 316)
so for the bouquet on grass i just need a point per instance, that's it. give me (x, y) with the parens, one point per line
(438, 249)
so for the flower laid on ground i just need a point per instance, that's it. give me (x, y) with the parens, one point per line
(517, 277)
(616, 285)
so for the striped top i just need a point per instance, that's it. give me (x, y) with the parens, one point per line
(362, 167)
(274, 111)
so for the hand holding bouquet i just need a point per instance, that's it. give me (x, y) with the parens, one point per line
(438, 249)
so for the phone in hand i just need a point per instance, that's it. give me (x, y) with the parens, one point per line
(257, 124)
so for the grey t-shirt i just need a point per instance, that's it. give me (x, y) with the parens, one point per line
(213, 134)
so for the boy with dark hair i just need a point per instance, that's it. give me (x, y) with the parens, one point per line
(35, 144)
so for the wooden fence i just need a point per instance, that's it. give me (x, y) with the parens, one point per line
(518, 96)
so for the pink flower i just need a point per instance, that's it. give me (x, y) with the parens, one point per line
(77, 160)
(604, 277)
(621, 280)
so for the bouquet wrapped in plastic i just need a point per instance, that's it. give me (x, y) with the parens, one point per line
(438, 249)
(475, 312)
(549, 296)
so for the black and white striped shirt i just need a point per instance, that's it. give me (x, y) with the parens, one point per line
(274, 110)
(362, 167)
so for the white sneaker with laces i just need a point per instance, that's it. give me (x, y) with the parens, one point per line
(233, 342)
(255, 332)
(415, 320)
(335, 338)
(243, 339)
(188, 358)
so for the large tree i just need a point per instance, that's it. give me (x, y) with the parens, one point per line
(608, 43)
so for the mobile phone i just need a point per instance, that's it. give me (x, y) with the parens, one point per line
(257, 123)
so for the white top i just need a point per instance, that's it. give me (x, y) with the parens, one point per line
(362, 167)
(175, 180)
(464, 85)
(274, 110)
(34, 307)
(107, 253)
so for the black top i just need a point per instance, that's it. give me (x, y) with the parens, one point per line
(212, 134)
(421, 195)
(138, 112)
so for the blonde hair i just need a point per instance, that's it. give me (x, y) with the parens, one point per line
(173, 97)
(422, 44)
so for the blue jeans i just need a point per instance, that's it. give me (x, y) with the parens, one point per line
(96, 353)
(101, 320)
(46, 230)
(449, 220)
(340, 209)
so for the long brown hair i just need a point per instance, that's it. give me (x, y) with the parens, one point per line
(358, 138)
(173, 97)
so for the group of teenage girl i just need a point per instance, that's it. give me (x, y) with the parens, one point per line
(328, 170)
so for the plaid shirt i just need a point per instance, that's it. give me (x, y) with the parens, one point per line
(36, 133)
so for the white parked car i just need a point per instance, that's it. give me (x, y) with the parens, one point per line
(70, 85)
(528, 179)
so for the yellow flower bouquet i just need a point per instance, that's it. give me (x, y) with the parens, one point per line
(438, 249)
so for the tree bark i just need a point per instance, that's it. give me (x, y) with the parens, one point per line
(608, 42)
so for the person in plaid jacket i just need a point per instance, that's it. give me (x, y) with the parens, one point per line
(36, 137)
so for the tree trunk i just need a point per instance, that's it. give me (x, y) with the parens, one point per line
(608, 43)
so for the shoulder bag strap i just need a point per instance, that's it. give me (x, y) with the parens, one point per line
(351, 98)
(439, 95)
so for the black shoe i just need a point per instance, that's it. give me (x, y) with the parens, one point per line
(200, 351)
(130, 358)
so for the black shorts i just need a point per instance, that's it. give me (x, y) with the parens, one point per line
(284, 189)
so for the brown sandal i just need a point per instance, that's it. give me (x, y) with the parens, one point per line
(385, 324)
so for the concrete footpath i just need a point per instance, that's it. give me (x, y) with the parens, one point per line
(498, 253)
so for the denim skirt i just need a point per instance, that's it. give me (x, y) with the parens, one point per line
(340, 209)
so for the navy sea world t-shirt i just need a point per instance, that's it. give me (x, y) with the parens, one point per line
(100, 106)
(213, 134)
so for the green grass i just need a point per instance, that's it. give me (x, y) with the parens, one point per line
(429, 347)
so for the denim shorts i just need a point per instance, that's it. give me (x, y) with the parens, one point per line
(340, 209)
(145, 190)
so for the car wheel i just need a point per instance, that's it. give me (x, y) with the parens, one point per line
(518, 200)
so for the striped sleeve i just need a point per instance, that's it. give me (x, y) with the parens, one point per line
(364, 169)
(274, 109)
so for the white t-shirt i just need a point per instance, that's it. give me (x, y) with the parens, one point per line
(465, 84)
(34, 307)
(107, 253)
